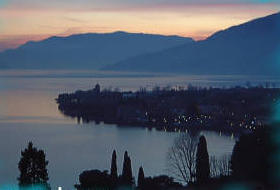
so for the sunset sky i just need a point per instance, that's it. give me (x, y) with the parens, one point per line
(23, 20)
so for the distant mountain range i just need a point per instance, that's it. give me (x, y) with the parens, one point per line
(86, 51)
(252, 48)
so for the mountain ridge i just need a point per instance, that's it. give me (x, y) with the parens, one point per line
(248, 48)
(86, 51)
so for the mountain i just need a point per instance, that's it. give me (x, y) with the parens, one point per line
(86, 51)
(252, 48)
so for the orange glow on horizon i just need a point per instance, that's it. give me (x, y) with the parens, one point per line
(19, 25)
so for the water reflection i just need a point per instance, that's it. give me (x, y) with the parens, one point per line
(28, 112)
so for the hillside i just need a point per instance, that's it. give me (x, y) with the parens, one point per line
(251, 48)
(86, 51)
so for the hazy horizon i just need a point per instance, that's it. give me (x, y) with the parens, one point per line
(36, 20)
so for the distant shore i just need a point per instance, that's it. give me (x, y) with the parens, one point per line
(232, 110)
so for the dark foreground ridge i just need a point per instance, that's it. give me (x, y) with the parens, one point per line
(236, 110)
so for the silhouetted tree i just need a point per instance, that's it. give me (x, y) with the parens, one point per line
(202, 162)
(114, 171)
(162, 182)
(33, 168)
(94, 180)
(251, 157)
(141, 178)
(182, 158)
(220, 166)
(127, 178)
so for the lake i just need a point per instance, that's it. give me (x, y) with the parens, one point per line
(28, 112)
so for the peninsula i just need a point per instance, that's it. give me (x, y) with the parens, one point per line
(237, 110)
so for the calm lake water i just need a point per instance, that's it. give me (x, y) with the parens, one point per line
(28, 112)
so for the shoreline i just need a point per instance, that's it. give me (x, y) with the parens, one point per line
(234, 110)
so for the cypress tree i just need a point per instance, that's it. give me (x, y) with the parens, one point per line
(114, 171)
(202, 162)
(124, 163)
(141, 178)
(127, 178)
(129, 172)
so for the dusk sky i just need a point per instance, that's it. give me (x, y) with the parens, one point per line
(23, 20)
